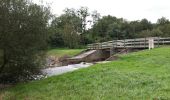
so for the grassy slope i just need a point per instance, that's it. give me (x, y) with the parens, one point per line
(143, 75)
(63, 51)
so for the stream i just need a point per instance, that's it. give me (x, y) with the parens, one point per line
(64, 69)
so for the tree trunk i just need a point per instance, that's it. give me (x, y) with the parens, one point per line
(4, 62)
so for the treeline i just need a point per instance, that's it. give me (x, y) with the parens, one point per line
(70, 29)
(110, 27)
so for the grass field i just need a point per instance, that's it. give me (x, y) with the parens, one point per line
(63, 51)
(142, 75)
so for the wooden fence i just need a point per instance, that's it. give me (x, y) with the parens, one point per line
(131, 43)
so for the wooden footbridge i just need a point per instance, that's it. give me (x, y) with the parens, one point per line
(105, 50)
(138, 43)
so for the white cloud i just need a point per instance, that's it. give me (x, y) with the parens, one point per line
(128, 9)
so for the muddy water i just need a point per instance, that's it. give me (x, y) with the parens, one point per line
(64, 69)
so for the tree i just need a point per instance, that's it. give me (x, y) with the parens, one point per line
(55, 31)
(134, 27)
(162, 21)
(96, 16)
(70, 36)
(156, 33)
(151, 33)
(145, 25)
(83, 14)
(23, 35)
(109, 28)
(165, 29)
(66, 29)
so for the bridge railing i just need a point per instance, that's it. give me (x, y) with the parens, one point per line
(130, 43)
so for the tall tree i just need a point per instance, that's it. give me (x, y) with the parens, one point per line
(83, 13)
(165, 29)
(68, 28)
(23, 35)
(145, 25)
(96, 16)
(162, 21)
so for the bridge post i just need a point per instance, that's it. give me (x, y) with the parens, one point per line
(111, 51)
(151, 43)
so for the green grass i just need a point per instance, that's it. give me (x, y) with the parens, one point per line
(142, 75)
(63, 51)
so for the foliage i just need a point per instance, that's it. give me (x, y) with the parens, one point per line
(96, 16)
(165, 29)
(140, 75)
(151, 33)
(23, 35)
(83, 14)
(71, 28)
(162, 21)
(110, 27)
(68, 28)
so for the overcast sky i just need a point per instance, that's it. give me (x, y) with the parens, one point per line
(128, 9)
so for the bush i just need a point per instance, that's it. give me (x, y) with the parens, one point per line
(23, 36)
